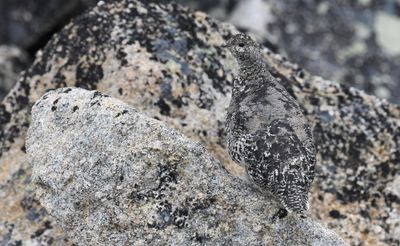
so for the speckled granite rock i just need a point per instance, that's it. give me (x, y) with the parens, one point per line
(112, 176)
(353, 42)
(168, 63)
(12, 61)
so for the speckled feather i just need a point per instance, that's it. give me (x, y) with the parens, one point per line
(267, 131)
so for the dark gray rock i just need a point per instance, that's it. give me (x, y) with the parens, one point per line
(30, 23)
(12, 61)
(167, 62)
(353, 42)
(113, 176)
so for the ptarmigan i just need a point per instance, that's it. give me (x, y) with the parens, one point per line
(267, 132)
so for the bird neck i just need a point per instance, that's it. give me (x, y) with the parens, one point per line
(251, 70)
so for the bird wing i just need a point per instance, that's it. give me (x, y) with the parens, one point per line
(280, 162)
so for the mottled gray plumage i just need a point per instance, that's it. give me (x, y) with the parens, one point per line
(267, 131)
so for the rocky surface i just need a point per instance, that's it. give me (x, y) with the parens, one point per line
(12, 61)
(113, 176)
(167, 62)
(351, 42)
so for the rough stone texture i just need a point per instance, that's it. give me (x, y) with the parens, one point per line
(12, 61)
(168, 63)
(112, 176)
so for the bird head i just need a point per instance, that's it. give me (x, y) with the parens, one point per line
(243, 48)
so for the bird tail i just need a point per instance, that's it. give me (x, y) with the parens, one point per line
(295, 199)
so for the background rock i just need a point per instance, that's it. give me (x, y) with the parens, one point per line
(220, 9)
(12, 61)
(353, 42)
(112, 176)
(25, 27)
(29, 24)
(167, 62)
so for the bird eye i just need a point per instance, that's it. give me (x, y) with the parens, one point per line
(241, 45)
